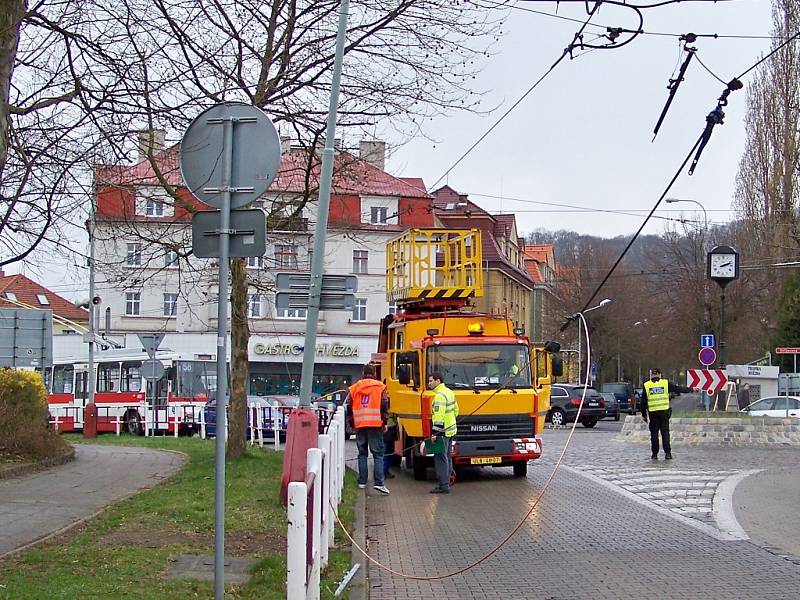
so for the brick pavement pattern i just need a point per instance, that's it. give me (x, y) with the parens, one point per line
(584, 540)
(37, 505)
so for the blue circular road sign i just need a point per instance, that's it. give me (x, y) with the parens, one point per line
(707, 356)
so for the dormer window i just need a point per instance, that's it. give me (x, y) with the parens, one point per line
(42, 299)
(378, 215)
(154, 208)
(11, 296)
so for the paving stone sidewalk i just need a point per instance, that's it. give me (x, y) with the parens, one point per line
(35, 506)
(584, 540)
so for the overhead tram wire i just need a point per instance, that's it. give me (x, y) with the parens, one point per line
(733, 85)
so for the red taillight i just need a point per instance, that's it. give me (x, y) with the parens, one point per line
(575, 402)
(602, 403)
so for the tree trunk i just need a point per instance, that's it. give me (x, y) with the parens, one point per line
(240, 333)
(11, 14)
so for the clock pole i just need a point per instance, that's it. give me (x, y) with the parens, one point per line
(720, 354)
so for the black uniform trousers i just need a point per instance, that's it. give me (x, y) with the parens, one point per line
(659, 423)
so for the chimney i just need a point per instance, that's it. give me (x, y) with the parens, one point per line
(150, 141)
(337, 145)
(373, 152)
(286, 144)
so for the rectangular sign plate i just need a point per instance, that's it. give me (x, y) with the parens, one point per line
(327, 301)
(298, 282)
(248, 233)
(486, 460)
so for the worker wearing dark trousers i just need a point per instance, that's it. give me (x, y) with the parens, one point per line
(657, 412)
(445, 411)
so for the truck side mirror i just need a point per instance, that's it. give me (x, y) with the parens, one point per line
(404, 374)
(557, 365)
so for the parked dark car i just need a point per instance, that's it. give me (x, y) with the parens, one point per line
(565, 400)
(623, 391)
(612, 405)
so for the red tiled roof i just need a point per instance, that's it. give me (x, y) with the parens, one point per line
(26, 290)
(351, 175)
(533, 270)
(539, 252)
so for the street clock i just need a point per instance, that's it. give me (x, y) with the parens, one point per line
(722, 265)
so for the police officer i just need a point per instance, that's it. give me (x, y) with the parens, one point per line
(445, 411)
(656, 410)
(367, 408)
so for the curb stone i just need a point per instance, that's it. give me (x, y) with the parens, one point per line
(32, 467)
(358, 586)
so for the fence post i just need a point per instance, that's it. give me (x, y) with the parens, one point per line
(342, 429)
(276, 429)
(177, 421)
(143, 416)
(324, 444)
(314, 462)
(55, 422)
(296, 540)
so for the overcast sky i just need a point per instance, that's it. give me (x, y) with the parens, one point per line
(583, 136)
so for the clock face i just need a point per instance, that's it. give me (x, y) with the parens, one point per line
(723, 266)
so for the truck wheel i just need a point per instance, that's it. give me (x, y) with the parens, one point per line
(132, 424)
(520, 469)
(419, 466)
(589, 423)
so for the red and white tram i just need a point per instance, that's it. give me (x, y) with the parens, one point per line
(125, 400)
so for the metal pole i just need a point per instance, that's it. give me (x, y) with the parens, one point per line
(580, 360)
(222, 360)
(90, 374)
(721, 328)
(321, 228)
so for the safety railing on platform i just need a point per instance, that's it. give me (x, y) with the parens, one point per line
(310, 514)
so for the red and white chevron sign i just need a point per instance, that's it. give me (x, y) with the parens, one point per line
(711, 380)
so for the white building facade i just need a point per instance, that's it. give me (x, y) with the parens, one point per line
(150, 281)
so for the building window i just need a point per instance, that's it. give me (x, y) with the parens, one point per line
(378, 215)
(254, 262)
(133, 303)
(11, 296)
(253, 305)
(392, 308)
(360, 260)
(154, 208)
(285, 256)
(69, 332)
(292, 313)
(360, 310)
(170, 258)
(42, 299)
(170, 305)
(134, 258)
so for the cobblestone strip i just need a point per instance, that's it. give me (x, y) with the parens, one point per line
(700, 498)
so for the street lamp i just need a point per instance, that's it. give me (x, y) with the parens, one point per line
(703, 208)
(579, 315)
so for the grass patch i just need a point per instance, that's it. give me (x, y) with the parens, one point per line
(124, 553)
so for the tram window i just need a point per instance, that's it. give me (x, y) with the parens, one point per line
(62, 379)
(131, 377)
(108, 377)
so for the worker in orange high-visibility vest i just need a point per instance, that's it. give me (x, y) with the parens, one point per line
(367, 409)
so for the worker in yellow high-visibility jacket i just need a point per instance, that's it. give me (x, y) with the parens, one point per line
(656, 411)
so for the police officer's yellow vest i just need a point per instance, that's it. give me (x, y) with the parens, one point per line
(657, 395)
(445, 409)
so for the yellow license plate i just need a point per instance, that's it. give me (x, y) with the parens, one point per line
(486, 460)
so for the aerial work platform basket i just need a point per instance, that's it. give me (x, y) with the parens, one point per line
(434, 264)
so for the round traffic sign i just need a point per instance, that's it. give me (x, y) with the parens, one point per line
(254, 155)
(707, 356)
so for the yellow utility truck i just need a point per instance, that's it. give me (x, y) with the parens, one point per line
(501, 382)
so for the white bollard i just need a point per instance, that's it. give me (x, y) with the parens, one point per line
(342, 429)
(324, 443)
(296, 541)
(177, 423)
(203, 424)
(314, 465)
(276, 428)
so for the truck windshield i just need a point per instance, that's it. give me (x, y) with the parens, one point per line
(484, 366)
(196, 378)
